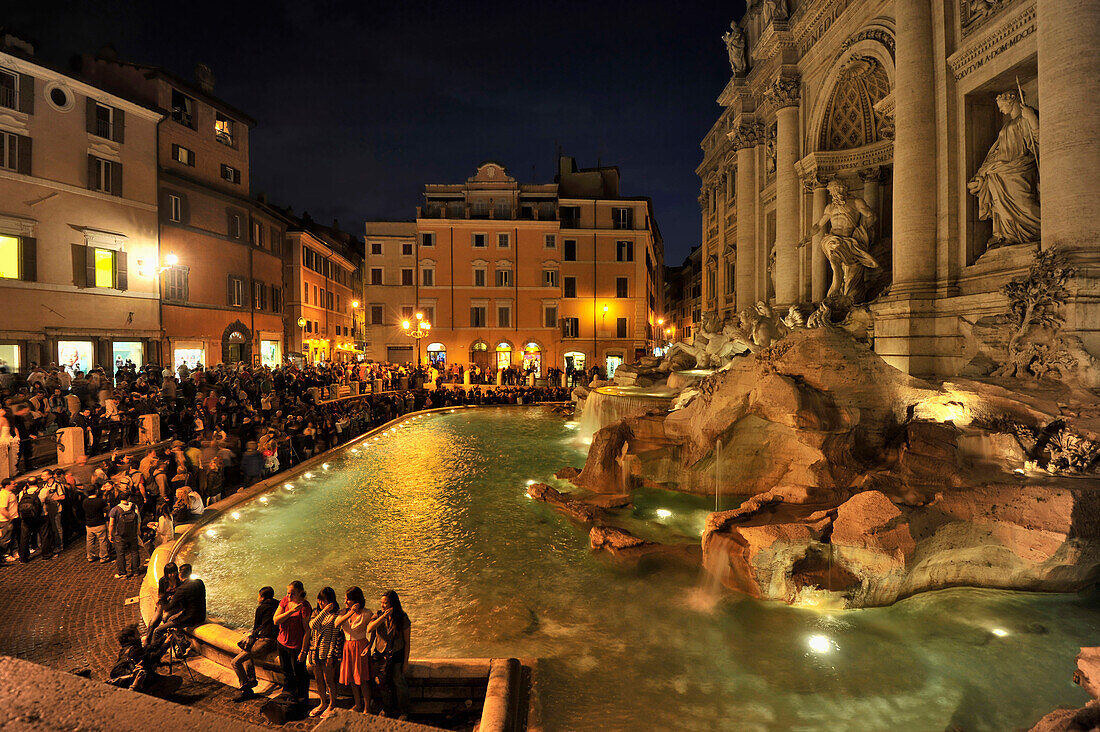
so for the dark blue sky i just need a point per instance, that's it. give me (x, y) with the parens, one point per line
(360, 103)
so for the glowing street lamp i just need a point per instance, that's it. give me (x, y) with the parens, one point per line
(420, 331)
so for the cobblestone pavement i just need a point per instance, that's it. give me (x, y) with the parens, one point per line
(64, 613)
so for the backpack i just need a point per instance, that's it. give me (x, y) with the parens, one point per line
(128, 524)
(30, 505)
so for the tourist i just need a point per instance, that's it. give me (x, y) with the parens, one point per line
(292, 617)
(164, 526)
(321, 650)
(389, 657)
(355, 663)
(124, 524)
(260, 642)
(166, 586)
(95, 527)
(186, 607)
(9, 515)
(31, 519)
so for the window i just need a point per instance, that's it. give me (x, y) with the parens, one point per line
(730, 276)
(571, 328)
(570, 217)
(427, 239)
(104, 117)
(479, 278)
(9, 89)
(429, 314)
(175, 284)
(502, 241)
(620, 327)
(376, 275)
(570, 287)
(316, 297)
(183, 109)
(9, 257)
(406, 312)
(259, 295)
(622, 218)
(175, 206)
(376, 247)
(477, 316)
(376, 315)
(551, 241)
(504, 316)
(257, 233)
(230, 174)
(624, 251)
(236, 291)
(504, 278)
(309, 326)
(478, 240)
(101, 174)
(427, 277)
(622, 285)
(406, 249)
(550, 316)
(328, 300)
(407, 277)
(276, 299)
(305, 298)
(223, 129)
(569, 250)
(9, 151)
(182, 155)
(549, 278)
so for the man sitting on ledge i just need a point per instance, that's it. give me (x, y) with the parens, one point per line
(187, 607)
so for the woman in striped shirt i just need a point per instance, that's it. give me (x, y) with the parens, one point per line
(322, 650)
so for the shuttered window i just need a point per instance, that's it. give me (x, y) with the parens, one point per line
(18, 258)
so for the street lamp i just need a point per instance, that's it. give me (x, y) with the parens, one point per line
(420, 331)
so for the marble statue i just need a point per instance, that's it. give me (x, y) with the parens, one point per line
(735, 47)
(1007, 183)
(775, 10)
(847, 225)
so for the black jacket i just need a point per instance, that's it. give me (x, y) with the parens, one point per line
(264, 624)
(189, 600)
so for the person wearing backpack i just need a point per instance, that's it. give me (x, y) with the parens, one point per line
(123, 522)
(31, 515)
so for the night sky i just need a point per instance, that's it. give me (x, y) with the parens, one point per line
(360, 104)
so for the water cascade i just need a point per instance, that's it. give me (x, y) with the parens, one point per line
(608, 405)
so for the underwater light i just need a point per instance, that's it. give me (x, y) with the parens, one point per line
(211, 533)
(999, 632)
(308, 475)
(663, 512)
(324, 466)
(289, 486)
(531, 482)
(819, 644)
(263, 499)
(235, 515)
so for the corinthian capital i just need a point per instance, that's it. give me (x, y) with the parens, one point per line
(746, 134)
(784, 93)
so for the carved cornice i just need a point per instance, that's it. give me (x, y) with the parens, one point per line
(874, 174)
(825, 164)
(973, 15)
(980, 51)
(812, 20)
(784, 93)
(747, 134)
(879, 35)
(774, 39)
(814, 181)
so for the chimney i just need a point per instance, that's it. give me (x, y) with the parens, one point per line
(205, 77)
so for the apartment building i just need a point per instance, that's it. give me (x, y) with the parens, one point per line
(684, 297)
(390, 280)
(221, 266)
(324, 277)
(78, 219)
(538, 275)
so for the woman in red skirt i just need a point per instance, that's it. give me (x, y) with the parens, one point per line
(355, 665)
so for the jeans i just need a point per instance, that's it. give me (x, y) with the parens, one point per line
(244, 664)
(7, 537)
(124, 546)
(95, 542)
(295, 675)
(395, 690)
(28, 529)
(57, 536)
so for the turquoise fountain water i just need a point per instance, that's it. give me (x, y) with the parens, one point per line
(436, 508)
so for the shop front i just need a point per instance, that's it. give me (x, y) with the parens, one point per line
(614, 360)
(532, 359)
(504, 355)
(437, 355)
(574, 360)
(188, 353)
(10, 358)
(74, 356)
(271, 353)
(123, 351)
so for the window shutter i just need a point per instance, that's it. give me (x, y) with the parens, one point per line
(91, 172)
(229, 223)
(89, 115)
(28, 259)
(229, 291)
(119, 126)
(89, 266)
(564, 330)
(26, 94)
(23, 154)
(122, 279)
(116, 179)
(79, 265)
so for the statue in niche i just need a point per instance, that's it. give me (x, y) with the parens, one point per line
(735, 47)
(775, 10)
(847, 224)
(1007, 183)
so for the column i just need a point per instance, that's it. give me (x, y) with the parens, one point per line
(745, 138)
(819, 266)
(784, 95)
(914, 226)
(1069, 127)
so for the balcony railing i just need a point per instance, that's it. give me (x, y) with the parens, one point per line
(103, 128)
